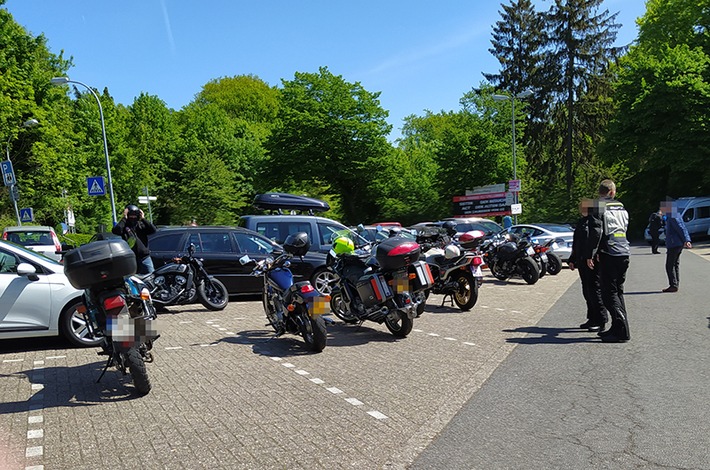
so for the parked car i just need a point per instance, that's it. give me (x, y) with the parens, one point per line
(466, 224)
(36, 298)
(39, 238)
(378, 233)
(562, 233)
(661, 235)
(695, 212)
(220, 248)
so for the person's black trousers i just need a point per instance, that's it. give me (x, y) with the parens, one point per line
(592, 292)
(673, 265)
(612, 270)
(654, 243)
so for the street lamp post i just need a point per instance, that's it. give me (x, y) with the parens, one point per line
(13, 191)
(65, 80)
(512, 98)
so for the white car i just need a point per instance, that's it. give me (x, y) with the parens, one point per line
(40, 238)
(562, 233)
(36, 298)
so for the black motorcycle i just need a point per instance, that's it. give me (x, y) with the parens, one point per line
(385, 288)
(508, 256)
(548, 261)
(185, 280)
(295, 308)
(117, 306)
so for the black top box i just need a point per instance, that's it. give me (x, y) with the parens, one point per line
(289, 202)
(395, 253)
(99, 262)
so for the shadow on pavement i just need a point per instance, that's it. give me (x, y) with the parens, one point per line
(70, 387)
(551, 335)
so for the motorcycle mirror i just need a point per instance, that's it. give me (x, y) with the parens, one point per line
(244, 260)
(191, 249)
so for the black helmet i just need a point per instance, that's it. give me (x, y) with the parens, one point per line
(133, 212)
(297, 244)
(450, 227)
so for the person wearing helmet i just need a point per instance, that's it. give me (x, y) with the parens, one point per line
(135, 228)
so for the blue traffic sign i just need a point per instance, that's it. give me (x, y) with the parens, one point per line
(8, 175)
(27, 215)
(96, 185)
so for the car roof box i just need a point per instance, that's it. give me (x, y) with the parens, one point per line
(279, 202)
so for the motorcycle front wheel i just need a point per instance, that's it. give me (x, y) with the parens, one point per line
(497, 272)
(466, 294)
(313, 332)
(401, 325)
(213, 294)
(528, 270)
(554, 264)
(340, 308)
(138, 370)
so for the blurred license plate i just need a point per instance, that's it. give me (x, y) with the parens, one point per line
(319, 306)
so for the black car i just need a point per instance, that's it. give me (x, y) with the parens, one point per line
(220, 247)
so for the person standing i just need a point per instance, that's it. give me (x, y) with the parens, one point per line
(135, 228)
(589, 277)
(608, 248)
(655, 222)
(677, 238)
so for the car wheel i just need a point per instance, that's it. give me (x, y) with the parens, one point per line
(322, 280)
(73, 327)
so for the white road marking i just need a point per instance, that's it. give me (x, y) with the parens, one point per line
(171, 348)
(317, 381)
(377, 414)
(354, 401)
(35, 419)
(55, 357)
(334, 390)
(185, 322)
(433, 334)
(37, 386)
(450, 339)
(35, 467)
(13, 360)
(302, 372)
(35, 433)
(470, 344)
(288, 364)
(38, 363)
(276, 359)
(34, 451)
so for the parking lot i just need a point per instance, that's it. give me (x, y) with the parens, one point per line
(227, 395)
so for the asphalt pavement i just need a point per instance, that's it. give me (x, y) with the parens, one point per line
(563, 399)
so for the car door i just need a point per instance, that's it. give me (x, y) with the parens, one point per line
(257, 248)
(25, 304)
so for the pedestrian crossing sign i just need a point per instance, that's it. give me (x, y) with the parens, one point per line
(96, 185)
(27, 215)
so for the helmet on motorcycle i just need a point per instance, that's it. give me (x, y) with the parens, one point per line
(450, 227)
(343, 245)
(297, 244)
(451, 252)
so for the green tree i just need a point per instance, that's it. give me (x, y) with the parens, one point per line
(658, 140)
(328, 130)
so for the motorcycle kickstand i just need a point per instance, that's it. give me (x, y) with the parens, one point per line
(108, 364)
(451, 300)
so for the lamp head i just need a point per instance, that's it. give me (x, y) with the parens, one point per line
(59, 80)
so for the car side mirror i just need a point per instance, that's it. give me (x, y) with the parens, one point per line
(26, 269)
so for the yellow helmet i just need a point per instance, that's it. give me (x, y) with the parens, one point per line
(343, 245)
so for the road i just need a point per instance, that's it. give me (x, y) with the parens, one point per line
(510, 384)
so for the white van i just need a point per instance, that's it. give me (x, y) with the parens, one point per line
(695, 212)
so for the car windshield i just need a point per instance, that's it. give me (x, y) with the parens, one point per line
(35, 238)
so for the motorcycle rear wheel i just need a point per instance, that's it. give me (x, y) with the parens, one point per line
(554, 264)
(138, 371)
(213, 294)
(401, 326)
(313, 332)
(528, 270)
(340, 309)
(466, 294)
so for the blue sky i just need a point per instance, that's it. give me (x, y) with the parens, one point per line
(421, 55)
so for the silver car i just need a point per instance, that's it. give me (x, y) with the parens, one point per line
(36, 298)
(40, 238)
(562, 233)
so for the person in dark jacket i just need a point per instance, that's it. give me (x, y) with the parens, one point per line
(608, 248)
(677, 238)
(134, 228)
(655, 223)
(589, 277)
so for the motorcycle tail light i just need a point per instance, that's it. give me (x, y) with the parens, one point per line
(477, 261)
(114, 302)
(306, 289)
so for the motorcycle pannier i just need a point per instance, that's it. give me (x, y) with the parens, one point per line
(423, 278)
(373, 290)
(99, 262)
(395, 253)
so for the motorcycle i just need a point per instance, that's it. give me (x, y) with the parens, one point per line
(385, 288)
(548, 261)
(295, 308)
(185, 280)
(507, 256)
(457, 273)
(117, 307)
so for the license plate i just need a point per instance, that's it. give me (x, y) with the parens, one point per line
(543, 256)
(319, 306)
